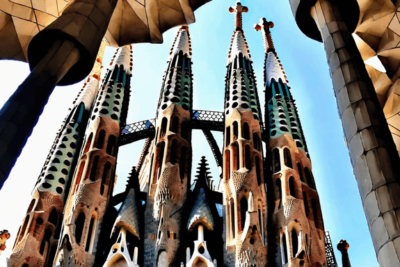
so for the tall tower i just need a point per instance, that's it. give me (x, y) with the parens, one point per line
(94, 177)
(244, 190)
(37, 238)
(165, 175)
(297, 230)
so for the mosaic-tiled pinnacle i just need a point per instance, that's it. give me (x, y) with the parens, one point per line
(177, 80)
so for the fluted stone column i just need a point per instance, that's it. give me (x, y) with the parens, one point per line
(372, 150)
(343, 247)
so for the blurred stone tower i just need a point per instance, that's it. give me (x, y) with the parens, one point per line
(37, 238)
(296, 226)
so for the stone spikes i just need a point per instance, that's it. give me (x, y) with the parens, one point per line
(202, 173)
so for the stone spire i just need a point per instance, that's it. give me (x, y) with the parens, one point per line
(238, 9)
(177, 81)
(278, 92)
(343, 247)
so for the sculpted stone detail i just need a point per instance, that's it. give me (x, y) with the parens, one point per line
(238, 179)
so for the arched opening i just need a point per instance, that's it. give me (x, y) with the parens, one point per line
(240, 59)
(227, 164)
(151, 167)
(105, 179)
(279, 188)
(258, 170)
(94, 169)
(45, 241)
(185, 131)
(284, 253)
(160, 158)
(256, 142)
(300, 170)
(39, 221)
(164, 124)
(24, 227)
(232, 211)
(276, 162)
(287, 157)
(88, 143)
(100, 139)
(79, 176)
(295, 243)
(79, 224)
(90, 234)
(246, 131)
(292, 189)
(309, 179)
(33, 201)
(228, 136)
(172, 157)
(248, 157)
(305, 200)
(235, 130)
(53, 218)
(111, 145)
(182, 163)
(315, 210)
(243, 210)
(175, 124)
(238, 157)
(162, 259)
(25, 265)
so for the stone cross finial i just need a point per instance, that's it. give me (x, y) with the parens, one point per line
(239, 9)
(264, 26)
(343, 247)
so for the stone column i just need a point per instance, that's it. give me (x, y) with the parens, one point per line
(343, 247)
(372, 150)
(61, 54)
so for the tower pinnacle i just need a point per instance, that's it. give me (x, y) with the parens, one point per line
(264, 26)
(238, 9)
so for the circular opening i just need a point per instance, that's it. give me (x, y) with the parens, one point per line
(201, 250)
(252, 241)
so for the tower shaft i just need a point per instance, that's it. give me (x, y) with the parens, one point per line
(297, 230)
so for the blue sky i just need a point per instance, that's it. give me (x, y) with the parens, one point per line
(305, 64)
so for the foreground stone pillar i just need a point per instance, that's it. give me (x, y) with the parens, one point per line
(61, 54)
(372, 150)
(343, 247)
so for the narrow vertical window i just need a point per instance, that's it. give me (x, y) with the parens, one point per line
(161, 156)
(287, 157)
(79, 223)
(235, 130)
(45, 240)
(309, 179)
(240, 59)
(260, 220)
(182, 163)
(227, 164)
(53, 218)
(105, 179)
(164, 123)
(228, 136)
(232, 207)
(246, 131)
(258, 171)
(238, 157)
(151, 167)
(248, 158)
(292, 189)
(130, 243)
(256, 142)
(88, 143)
(279, 188)
(300, 170)
(33, 201)
(184, 131)
(24, 228)
(111, 145)
(90, 233)
(94, 169)
(284, 250)
(315, 212)
(276, 160)
(79, 176)
(305, 200)
(100, 139)
(52, 254)
(175, 124)
(295, 244)
(172, 157)
(243, 210)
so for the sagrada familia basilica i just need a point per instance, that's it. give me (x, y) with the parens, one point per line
(264, 208)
